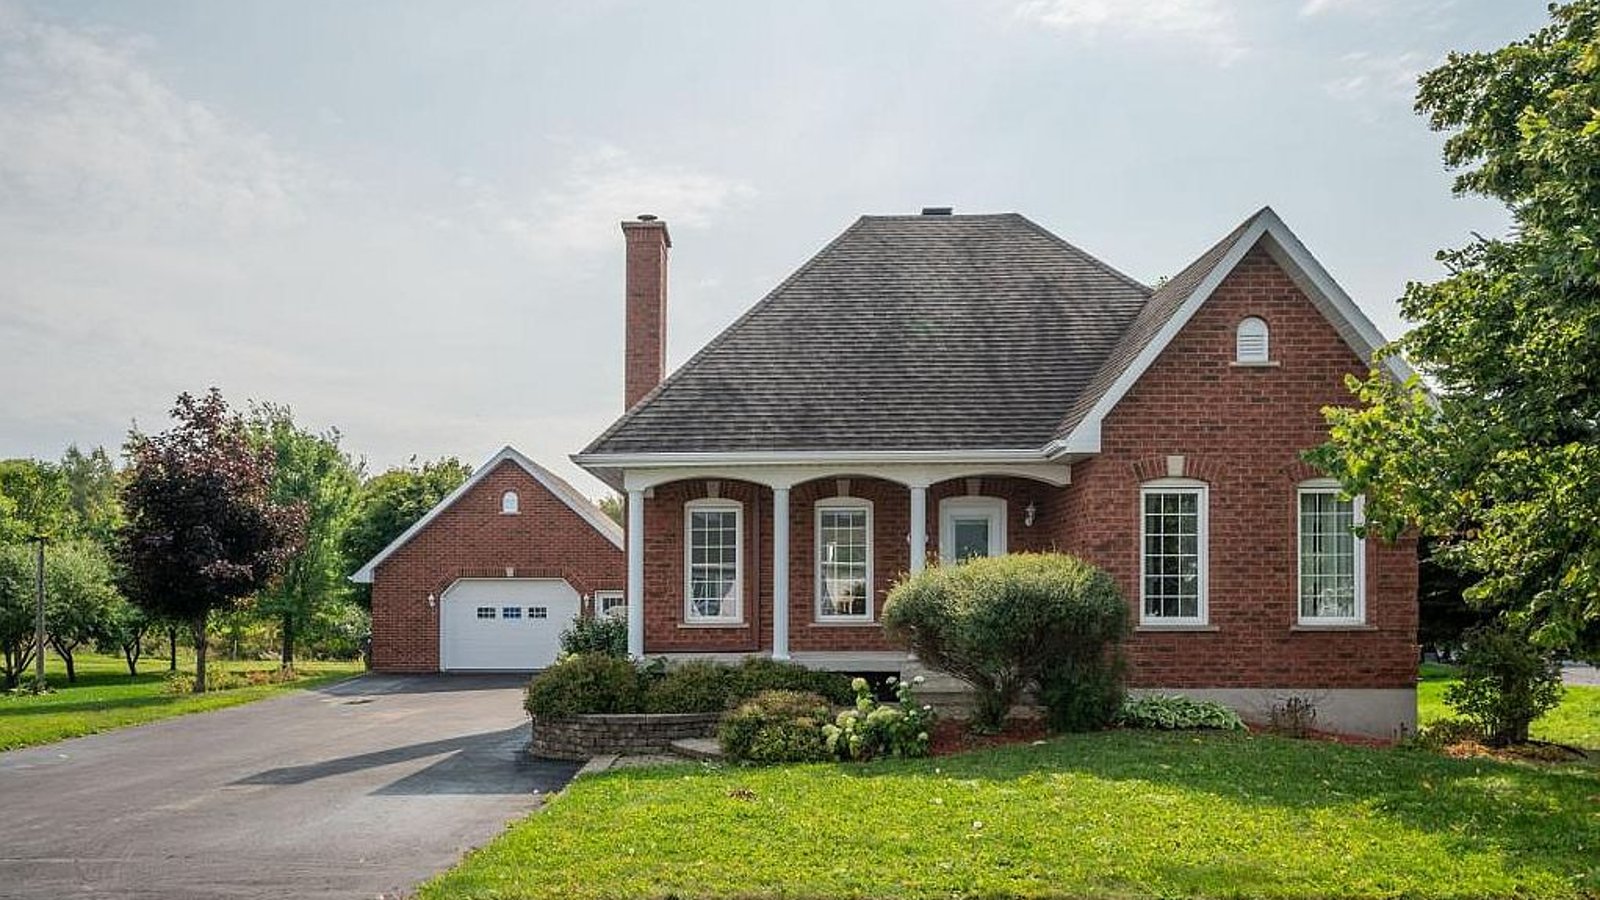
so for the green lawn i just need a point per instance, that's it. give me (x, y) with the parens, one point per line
(1111, 814)
(105, 697)
(1575, 722)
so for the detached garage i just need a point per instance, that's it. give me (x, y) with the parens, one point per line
(489, 578)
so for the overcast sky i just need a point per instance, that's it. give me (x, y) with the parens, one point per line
(401, 218)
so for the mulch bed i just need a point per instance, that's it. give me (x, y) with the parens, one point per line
(952, 736)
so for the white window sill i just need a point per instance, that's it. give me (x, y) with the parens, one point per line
(1175, 626)
(713, 625)
(845, 623)
(1263, 364)
(1332, 626)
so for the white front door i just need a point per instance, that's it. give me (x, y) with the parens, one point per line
(971, 526)
(504, 624)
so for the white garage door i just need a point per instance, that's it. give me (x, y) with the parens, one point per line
(506, 624)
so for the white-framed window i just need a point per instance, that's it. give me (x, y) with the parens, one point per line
(1173, 552)
(844, 559)
(1251, 341)
(510, 503)
(611, 604)
(1333, 564)
(510, 612)
(712, 560)
(538, 612)
(485, 612)
(971, 526)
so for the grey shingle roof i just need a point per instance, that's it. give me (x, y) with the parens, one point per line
(904, 333)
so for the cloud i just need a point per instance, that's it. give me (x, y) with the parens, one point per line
(1208, 24)
(602, 185)
(96, 141)
(1372, 79)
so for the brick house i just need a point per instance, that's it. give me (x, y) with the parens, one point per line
(489, 577)
(936, 387)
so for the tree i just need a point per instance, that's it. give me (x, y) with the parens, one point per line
(313, 472)
(126, 625)
(203, 532)
(611, 505)
(392, 502)
(79, 597)
(39, 500)
(17, 611)
(1502, 463)
(93, 493)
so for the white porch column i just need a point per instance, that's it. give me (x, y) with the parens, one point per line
(636, 574)
(919, 528)
(780, 573)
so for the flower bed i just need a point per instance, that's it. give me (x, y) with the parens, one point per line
(583, 736)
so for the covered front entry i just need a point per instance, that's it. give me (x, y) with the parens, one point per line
(504, 624)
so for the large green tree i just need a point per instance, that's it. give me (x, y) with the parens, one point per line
(203, 532)
(93, 492)
(315, 473)
(391, 502)
(1502, 463)
(79, 598)
(17, 611)
(38, 500)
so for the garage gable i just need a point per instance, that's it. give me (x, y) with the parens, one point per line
(554, 484)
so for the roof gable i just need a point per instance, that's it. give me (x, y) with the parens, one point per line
(1176, 302)
(557, 486)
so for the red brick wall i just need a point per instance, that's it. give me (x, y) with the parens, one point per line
(645, 306)
(473, 539)
(1242, 430)
(665, 628)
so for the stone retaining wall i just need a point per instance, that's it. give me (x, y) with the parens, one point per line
(580, 737)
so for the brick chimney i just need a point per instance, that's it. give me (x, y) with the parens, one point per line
(645, 350)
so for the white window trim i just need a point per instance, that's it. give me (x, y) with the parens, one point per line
(1266, 342)
(1358, 508)
(689, 509)
(837, 503)
(1203, 532)
(510, 504)
(995, 507)
(600, 598)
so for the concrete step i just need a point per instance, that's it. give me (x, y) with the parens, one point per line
(698, 748)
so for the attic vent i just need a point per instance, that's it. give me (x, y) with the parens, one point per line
(937, 210)
(1250, 344)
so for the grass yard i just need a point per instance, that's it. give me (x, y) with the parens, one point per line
(1576, 722)
(1112, 814)
(105, 697)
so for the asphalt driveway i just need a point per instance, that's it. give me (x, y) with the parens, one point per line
(359, 789)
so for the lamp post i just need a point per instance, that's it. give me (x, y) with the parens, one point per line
(38, 623)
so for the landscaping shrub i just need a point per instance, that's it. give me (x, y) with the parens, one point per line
(694, 687)
(1007, 623)
(1295, 717)
(756, 674)
(1506, 683)
(583, 684)
(603, 635)
(1445, 733)
(1082, 689)
(1174, 713)
(776, 726)
(870, 729)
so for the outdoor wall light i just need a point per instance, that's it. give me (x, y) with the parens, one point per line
(1028, 513)
(432, 601)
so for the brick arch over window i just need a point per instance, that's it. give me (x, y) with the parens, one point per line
(452, 575)
(1199, 468)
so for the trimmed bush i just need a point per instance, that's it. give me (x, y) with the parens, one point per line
(692, 687)
(1506, 683)
(605, 635)
(775, 727)
(1175, 713)
(584, 684)
(1007, 623)
(757, 674)
(1082, 691)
